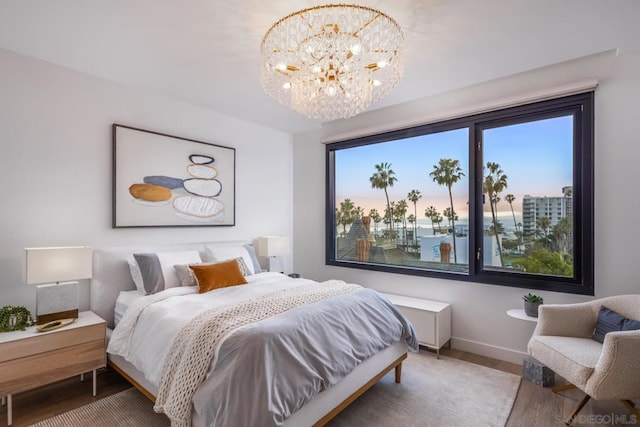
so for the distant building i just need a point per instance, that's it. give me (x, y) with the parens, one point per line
(430, 249)
(554, 208)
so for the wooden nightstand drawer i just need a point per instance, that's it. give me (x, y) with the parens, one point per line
(45, 342)
(46, 367)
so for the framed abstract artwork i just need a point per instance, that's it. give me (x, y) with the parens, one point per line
(163, 180)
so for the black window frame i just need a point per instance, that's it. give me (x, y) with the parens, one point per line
(582, 107)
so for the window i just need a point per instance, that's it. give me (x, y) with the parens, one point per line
(504, 197)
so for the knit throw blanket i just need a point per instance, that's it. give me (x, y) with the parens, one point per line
(197, 345)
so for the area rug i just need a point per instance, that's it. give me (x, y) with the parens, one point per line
(127, 408)
(433, 393)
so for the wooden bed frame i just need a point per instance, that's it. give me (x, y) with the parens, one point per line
(111, 276)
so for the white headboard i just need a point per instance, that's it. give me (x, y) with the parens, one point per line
(111, 273)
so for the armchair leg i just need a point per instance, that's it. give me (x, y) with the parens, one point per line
(631, 406)
(578, 409)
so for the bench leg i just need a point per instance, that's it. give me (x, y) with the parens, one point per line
(399, 372)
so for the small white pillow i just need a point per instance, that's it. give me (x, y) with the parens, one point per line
(169, 259)
(225, 252)
(135, 273)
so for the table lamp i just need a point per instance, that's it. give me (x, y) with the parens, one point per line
(273, 247)
(51, 269)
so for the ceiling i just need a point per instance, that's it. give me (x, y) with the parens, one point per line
(206, 52)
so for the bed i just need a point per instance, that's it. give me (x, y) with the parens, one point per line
(381, 349)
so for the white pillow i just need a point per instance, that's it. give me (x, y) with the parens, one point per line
(225, 252)
(154, 272)
(135, 273)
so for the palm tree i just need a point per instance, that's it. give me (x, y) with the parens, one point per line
(450, 215)
(509, 198)
(447, 172)
(381, 179)
(389, 218)
(401, 213)
(561, 233)
(494, 183)
(543, 223)
(437, 218)
(376, 218)
(347, 213)
(492, 230)
(412, 220)
(413, 197)
(338, 218)
(432, 214)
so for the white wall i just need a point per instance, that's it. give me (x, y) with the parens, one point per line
(479, 321)
(56, 170)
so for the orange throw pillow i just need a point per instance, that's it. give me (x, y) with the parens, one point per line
(220, 275)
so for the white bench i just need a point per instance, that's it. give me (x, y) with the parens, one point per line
(431, 319)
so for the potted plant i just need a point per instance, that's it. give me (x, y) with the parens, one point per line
(531, 304)
(14, 318)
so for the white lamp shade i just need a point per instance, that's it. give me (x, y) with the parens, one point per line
(273, 246)
(48, 265)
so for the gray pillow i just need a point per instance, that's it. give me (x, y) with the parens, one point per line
(254, 258)
(610, 321)
(243, 267)
(185, 274)
(151, 272)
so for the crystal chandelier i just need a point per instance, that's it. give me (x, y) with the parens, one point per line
(331, 62)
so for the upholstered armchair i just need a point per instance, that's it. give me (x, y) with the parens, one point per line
(609, 370)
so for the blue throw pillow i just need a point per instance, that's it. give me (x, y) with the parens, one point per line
(630, 325)
(610, 321)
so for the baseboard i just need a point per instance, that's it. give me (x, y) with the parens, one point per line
(488, 350)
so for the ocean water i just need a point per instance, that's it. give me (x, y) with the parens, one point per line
(425, 229)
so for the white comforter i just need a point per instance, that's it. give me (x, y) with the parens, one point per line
(165, 316)
(279, 363)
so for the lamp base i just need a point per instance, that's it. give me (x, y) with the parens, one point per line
(276, 264)
(56, 302)
(61, 315)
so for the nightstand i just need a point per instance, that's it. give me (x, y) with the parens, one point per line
(30, 359)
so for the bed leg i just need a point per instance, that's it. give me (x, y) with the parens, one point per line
(399, 372)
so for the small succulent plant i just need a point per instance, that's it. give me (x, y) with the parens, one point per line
(534, 299)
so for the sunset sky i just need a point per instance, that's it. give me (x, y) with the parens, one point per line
(535, 156)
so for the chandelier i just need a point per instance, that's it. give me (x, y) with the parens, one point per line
(331, 62)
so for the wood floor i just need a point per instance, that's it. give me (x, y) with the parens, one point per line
(534, 405)
(540, 407)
